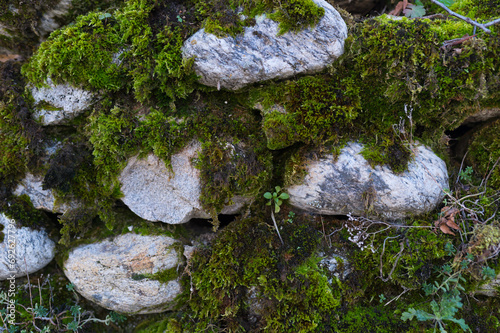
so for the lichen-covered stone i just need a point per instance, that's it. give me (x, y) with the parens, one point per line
(59, 103)
(33, 249)
(118, 273)
(156, 193)
(350, 185)
(260, 54)
(31, 185)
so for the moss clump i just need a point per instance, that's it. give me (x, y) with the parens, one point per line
(484, 153)
(438, 83)
(21, 138)
(222, 17)
(22, 211)
(81, 54)
(393, 151)
(247, 259)
(479, 10)
(316, 111)
(411, 251)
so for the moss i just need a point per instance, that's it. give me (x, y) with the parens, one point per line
(164, 276)
(247, 255)
(422, 250)
(222, 17)
(316, 111)
(484, 152)
(480, 10)
(395, 153)
(21, 138)
(22, 211)
(20, 20)
(80, 54)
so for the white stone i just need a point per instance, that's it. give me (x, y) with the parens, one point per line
(111, 273)
(48, 20)
(156, 193)
(259, 54)
(350, 185)
(31, 186)
(32, 249)
(69, 101)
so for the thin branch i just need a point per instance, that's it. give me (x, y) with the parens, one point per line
(395, 262)
(467, 19)
(276, 226)
(492, 22)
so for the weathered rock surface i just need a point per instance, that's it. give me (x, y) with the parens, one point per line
(114, 273)
(259, 54)
(157, 194)
(31, 185)
(33, 249)
(483, 115)
(66, 103)
(351, 185)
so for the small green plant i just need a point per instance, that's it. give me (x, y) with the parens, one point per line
(466, 175)
(488, 273)
(38, 317)
(448, 301)
(276, 198)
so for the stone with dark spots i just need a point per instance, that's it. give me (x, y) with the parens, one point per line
(350, 185)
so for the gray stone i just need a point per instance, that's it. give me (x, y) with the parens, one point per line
(156, 193)
(351, 185)
(260, 54)
(48, 21)
(31, 186)
(117, 273)
(482, 116)
(336, 264)
(67, 102)
(32, 249)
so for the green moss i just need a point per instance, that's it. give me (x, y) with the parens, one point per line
(484, 152)
(80, 54)
(480, 10)
(22, 211)
(21, 138)
(317, 110)
(223, 19)
(395, 153)
(294, 293)
(422, 250)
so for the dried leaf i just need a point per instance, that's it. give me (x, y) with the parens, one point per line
(399, 8)
(453, 225)
(445, 229)
(447, 211)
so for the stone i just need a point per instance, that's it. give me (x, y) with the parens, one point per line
(156, 193)
(60, 103)
(349, 185)
(31, 185)
(33, 249)
(481, 116)
(336, 264)
(117, 273)
(259, 54)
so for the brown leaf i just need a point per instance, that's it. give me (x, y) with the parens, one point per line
(444, 228)
(453, 225)
(439, 221)
(399, 8)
